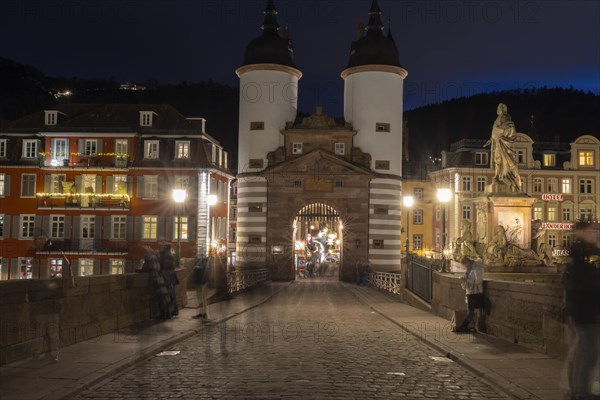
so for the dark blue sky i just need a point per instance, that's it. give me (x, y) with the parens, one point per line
(450, 48)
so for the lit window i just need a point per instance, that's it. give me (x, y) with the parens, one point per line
(182, 150)
(586, 158)
(88, 223)
(566, 185)
(27, 226)
(117, 266)
(183, 182)
(549, 160)
(418, 217)
(2, 184)
(150, 187)
(25, 268)
(28, 185)
(538, 212)
(184, 228)
(56, 183)
(297, 148)
(551, 213)
(90, 147)
(86, 266)
(417, 242)
(57, 226)
(340, 149)
(56, 267)
(151, 149)
(481, 158)
(418, 193)
(58, 152)
(150, 227)
(1, 225)
(30, 148)
(119, 184)
(118, 227)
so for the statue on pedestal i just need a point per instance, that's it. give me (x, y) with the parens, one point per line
(503, 154)
(465, 245)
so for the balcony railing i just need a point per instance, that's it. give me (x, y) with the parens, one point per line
(93, 161)
(83, 246)
(85, 201)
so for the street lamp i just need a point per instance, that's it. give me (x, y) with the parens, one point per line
(444, 196)
(408, 203)
(179, 196)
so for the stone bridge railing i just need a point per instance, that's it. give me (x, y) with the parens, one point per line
(238, 281)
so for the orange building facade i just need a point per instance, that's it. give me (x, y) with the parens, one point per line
(88, 190)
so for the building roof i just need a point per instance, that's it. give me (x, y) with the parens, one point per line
(374, 48)
(105, 118)
(269, 47)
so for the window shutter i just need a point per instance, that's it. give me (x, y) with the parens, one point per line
(171, 226)
(130, 222)
(160, 229)
(74, 233)
(98, 184)
(97, 231)
(100, 145)
(140, 186)
(192, 228)
(162, 183)
(138, 227)
(110, 184)
(7, 220)
(81, 146)
(46, 225)
(16, 226)
(47, 183)
(78, 183)
(130, 185)
(14, 268)
(7, 185)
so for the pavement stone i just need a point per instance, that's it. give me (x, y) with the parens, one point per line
(310, 339)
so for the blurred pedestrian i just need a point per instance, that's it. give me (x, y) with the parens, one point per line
(472, 283)
(167, 267)
(582, 309)
(363, 278)
(161, 298)
(200, 274)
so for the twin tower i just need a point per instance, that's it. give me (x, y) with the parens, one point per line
(373, 92)
(352, 171)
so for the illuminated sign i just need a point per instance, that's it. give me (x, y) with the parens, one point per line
(563, 226)
(560, 253)
(552, 197)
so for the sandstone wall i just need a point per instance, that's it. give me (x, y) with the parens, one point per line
(86, 307)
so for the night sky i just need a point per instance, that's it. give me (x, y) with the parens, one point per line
(450, 48)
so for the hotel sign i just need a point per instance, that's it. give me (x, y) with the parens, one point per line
(552, 197)
(562, 226)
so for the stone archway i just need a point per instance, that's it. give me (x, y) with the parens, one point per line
(317, 241)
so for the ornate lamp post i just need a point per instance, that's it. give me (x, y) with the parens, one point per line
(444, 195)
(179, 196)
(408, 203)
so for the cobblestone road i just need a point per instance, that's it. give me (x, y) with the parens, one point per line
(314, 340)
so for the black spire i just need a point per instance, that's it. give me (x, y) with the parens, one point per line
(270, 25)
(389, 36)
(375, 24)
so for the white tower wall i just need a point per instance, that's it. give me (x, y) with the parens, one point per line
(268, 96)
(372, 97)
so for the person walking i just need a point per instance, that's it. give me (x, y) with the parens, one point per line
(200, 275)
(160, 292)
(167, 268)
(472, 283)
(582, 309)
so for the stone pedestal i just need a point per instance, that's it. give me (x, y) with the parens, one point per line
(510, 210)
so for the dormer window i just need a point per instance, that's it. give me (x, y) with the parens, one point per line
(3, 147)
(146, 118)
(297, 148)
(182, 150)
(30, 148)
(151, 149)
(51, 117)
(340, 149)
(549, 160)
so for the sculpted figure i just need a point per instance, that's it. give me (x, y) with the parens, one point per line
(503, 154)
(465, 246)
(494, 253)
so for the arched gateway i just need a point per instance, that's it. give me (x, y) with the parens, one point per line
(318, 241)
